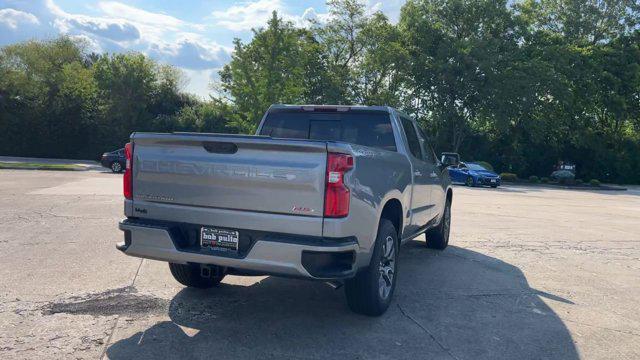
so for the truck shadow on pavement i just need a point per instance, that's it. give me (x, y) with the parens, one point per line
(456, 304)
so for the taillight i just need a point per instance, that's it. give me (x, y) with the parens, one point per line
(336, 196)
(127, 182)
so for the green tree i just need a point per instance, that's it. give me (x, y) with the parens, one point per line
(585, 21)
(127, 82)
(459, 51)
(38, 81)
(379, 74)
(270, 69)
(342, 45)
(57, 100)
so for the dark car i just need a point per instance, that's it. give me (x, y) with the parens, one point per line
(472, 174)
(114, 160)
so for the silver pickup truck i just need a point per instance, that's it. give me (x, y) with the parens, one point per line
(320, 192)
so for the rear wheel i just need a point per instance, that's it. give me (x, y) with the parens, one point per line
(370, 291)
(191, 275)
(438, 237)
(116, 167)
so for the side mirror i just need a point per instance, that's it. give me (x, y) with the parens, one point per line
(449, 160)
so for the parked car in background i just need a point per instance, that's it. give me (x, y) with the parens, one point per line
(472, 174)
(114, 160)
(564, 171)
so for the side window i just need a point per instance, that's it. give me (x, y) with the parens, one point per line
(427, 152)
(412, 137)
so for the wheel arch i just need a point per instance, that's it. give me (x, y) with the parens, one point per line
(392, 211)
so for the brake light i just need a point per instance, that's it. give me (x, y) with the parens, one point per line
(336, 196)
(127, 180)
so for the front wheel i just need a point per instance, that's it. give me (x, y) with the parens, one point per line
(370, 292)
(469, 182)
(438, 237)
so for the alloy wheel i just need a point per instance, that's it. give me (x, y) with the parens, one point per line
(446, 223)
(469, 181)
(387, 267)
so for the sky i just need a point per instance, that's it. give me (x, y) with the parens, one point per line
(193, 35)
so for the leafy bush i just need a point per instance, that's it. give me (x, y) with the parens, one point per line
(579, 181)
(594, 182)
(534, 179)
(485, 165)
(544, 180)
(508, 176)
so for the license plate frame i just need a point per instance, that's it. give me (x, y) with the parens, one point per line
(212, 238)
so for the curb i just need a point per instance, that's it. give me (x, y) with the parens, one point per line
(565, 187)
(41, 168)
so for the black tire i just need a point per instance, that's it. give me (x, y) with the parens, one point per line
(365, 293)
(438, 237)
(189, 275)
(116, 167)
(469, 181)
(494, 186)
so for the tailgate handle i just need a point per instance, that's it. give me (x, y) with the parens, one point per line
(220, 147)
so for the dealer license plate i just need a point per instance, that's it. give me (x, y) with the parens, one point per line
(219, 239)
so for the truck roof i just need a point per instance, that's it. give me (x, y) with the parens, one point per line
(311, 107)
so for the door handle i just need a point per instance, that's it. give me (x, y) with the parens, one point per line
(417, 173)
(433, 175)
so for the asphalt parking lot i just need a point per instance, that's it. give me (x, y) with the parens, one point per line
(531, 273)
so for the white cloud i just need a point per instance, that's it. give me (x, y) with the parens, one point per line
(391, 8)
(91, 43)
(116, 30)
(190, 51)
(12, 18)
(310, 15)
(119, 10)
(200, 82)
(248, 15)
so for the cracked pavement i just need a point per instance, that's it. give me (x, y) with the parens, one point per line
(530, 273)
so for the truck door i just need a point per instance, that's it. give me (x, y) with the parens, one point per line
(436, 191)
(421, 206)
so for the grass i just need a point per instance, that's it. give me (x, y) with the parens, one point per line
(38, 166)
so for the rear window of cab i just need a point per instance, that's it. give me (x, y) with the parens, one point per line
(367, 128)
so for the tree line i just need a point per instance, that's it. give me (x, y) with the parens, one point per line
(520, 85)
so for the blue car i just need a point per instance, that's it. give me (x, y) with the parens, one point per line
(472, 174)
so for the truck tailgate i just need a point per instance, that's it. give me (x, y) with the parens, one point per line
(233, 172)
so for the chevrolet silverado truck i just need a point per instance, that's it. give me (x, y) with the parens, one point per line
(320, 192)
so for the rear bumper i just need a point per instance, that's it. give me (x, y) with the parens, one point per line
(268, 253)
